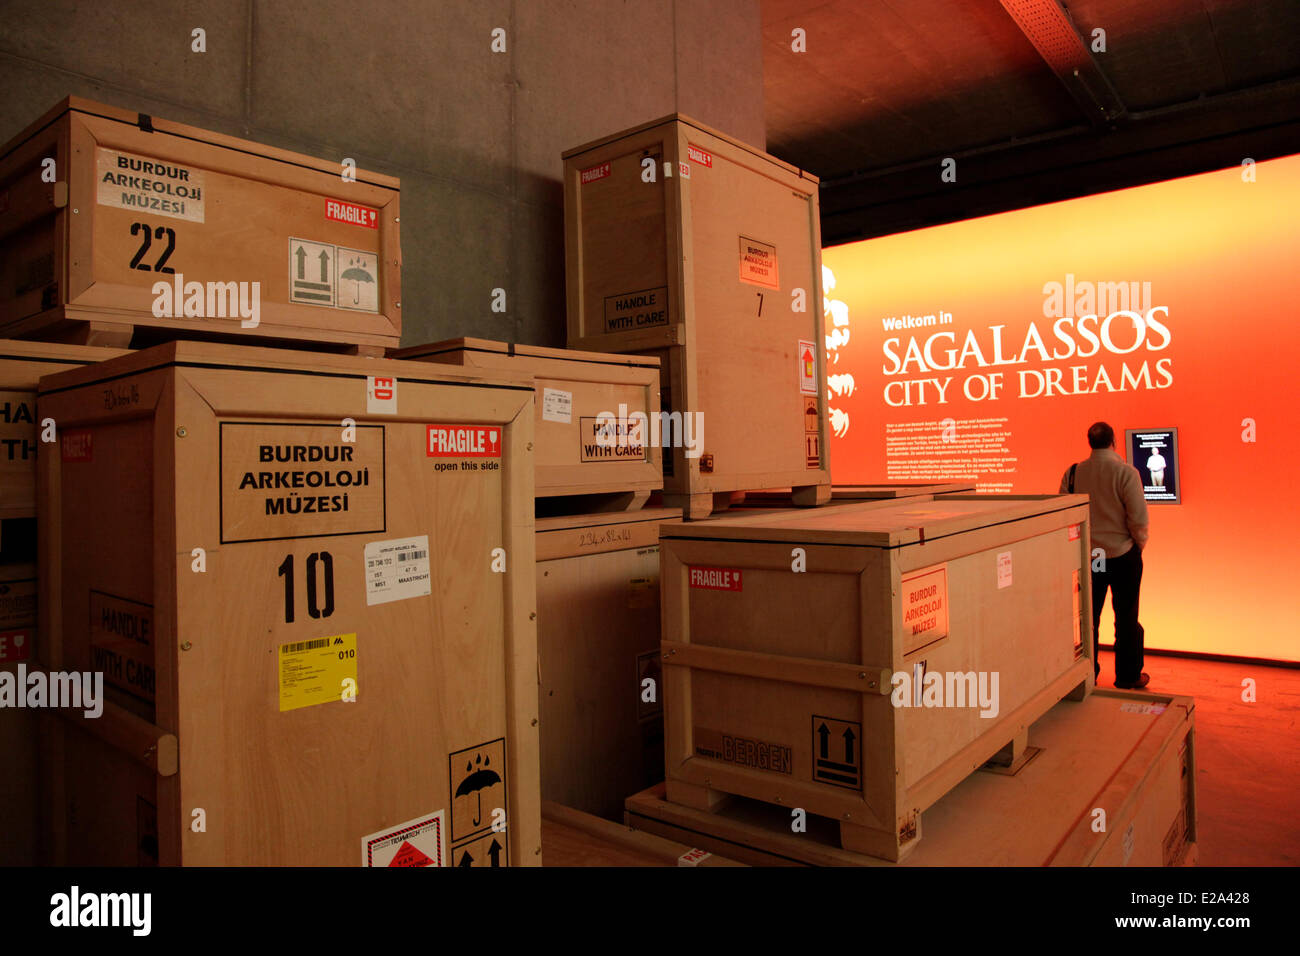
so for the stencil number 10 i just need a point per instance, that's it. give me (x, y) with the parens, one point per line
(326, 562)
(142, 229)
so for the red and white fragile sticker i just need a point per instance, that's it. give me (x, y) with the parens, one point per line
(697, 155)
(15, 645)
(693, 857)
(464, 441)
(715, 579)
(350, 212)
(685, 170)
(1074, 532)
(76, 445)
(381, 395)
(593, 173)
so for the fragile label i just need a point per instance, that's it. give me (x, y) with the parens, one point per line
(1004, 570)
(464, 441)
(15, 645)
(697, 155)
(715, 579)
(806, 353)
(924, 607)
(1073, 533)
(321, 273)
(381, 395)
(744, 751)
(557, 405)
(18, 603)
(610, 439)
(121, 643)
(593, 173)
(75, 445)
(164, 188)
(630, 311)
(318, 671)
(758, 264)
(685, 170)
(1135, 707)
(342, 211)
(396, 570)
(417, 842)
(291, 480)
(693, 857)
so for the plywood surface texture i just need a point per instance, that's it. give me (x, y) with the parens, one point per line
(137, 200)
(1129, 755)
(713, 265)
(245, 662)
(591, 417)
(598, 641)
(792, 639)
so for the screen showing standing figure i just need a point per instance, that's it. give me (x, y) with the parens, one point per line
(1154, 453)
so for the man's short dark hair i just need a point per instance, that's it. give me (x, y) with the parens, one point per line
(1101, 435)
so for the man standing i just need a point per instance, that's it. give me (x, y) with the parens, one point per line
(1117, 512)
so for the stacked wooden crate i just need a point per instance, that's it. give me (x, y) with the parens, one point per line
(686, 244)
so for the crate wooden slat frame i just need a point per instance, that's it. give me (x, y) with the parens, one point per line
(598, 382)
(644, 236)
(831, 638)
(91, 309)
(460, 663)
(1143, 778)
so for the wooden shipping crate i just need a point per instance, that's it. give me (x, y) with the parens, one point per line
(576, 452)
(1131, 755)
(842, 494)
(714, 266)
(99, 204)
(346, 681)
(21, 366)
(797, 648)
(602, 733)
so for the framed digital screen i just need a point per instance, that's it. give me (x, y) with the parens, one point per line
(1154, 453)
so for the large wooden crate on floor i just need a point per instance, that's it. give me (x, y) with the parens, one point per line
(1127, 754)
(714, 266)
(354, 681)
(578, 452)
(98, 204)
(792, 642)
(21, 366)
(602, 733)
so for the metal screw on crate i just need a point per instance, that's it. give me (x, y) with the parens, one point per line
(181, 431)
(186, 645)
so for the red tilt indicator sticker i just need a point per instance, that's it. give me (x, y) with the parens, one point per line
(350, 212)
(715, 579)
(464, 441)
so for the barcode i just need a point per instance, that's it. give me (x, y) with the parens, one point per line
(411, 556)
(304, 646)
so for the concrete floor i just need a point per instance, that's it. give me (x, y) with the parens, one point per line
(1247, 756)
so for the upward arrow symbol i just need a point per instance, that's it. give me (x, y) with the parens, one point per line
(324, 266)
(301, 256)
(825, 737)
(848, 745)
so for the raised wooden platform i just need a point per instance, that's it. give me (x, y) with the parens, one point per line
(1118, 759)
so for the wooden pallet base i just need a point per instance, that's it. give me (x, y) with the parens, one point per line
(603, 503)
(573, 838)
(696, 507)
(1126, 753)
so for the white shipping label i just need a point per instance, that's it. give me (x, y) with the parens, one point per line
(381, 395)
(557, 405)
(396, 570)
(1004, 570)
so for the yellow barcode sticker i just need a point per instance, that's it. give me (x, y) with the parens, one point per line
(318, 671)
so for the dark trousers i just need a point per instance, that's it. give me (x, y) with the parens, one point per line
(1123, 576)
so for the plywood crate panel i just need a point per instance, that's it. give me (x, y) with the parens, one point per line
(21, 366)
(598, 641)
(577, 453)
(131, 201)
(411, 577)
(714, 267)
(841, 494)
(783, 635)
(1128, 754)
(572, 838)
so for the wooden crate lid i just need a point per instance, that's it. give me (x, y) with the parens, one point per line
(531, 351)
(21, 362)
(898, 489)
(77, 104)
(604, 519)
(881, 524)
(688, 121)
(243, 358)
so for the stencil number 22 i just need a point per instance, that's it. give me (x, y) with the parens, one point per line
(147, 236)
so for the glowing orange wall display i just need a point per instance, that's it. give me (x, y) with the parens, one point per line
(984, 349)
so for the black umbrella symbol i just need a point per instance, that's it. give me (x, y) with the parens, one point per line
(357, 276)
(476, 782)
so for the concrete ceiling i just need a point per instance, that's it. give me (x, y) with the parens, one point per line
(888, 88)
